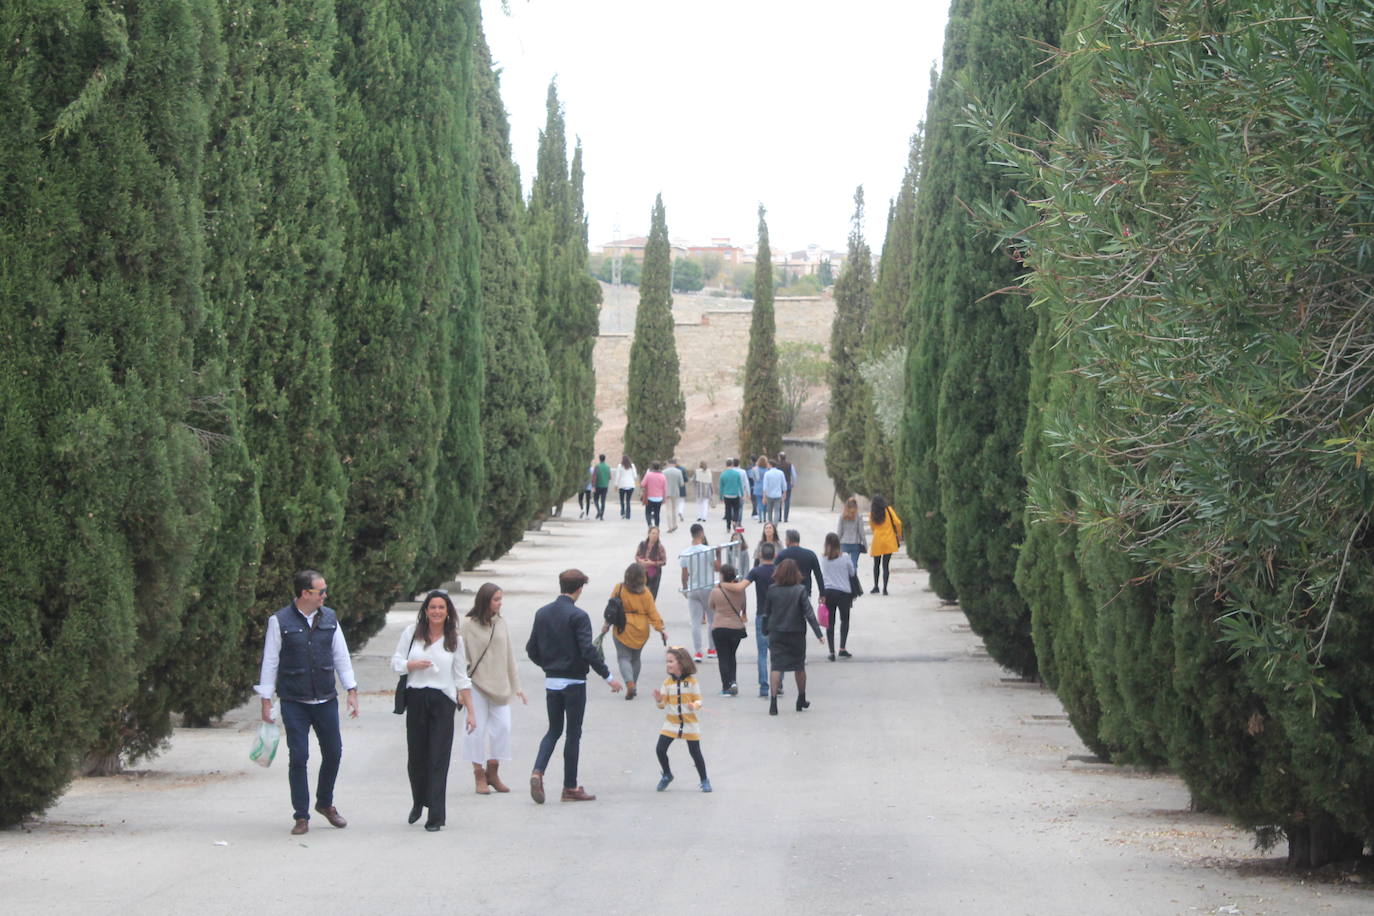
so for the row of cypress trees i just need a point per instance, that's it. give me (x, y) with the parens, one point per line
(1136, 412)
(264, 306)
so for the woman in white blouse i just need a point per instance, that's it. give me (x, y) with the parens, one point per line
(430, 654)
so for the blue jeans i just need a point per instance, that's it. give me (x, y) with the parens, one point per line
(853, 550)
(761, 644)
(569, 703)
(298, 719)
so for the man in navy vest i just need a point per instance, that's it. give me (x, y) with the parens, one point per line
(304, 651)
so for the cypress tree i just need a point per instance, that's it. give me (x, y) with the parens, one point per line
(849, 396)
(760, 422)
(565, 300)
(516, 409)
(887, 321)
(655, 412)
(101, 156)
(402, 71)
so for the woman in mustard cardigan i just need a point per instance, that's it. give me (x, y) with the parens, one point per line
(641, 613)
(887, 535)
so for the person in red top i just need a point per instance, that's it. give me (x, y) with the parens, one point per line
(655, 489)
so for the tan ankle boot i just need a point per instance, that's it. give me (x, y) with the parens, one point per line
(493, 779)
(480, 774)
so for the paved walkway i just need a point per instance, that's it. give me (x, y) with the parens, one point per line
(922, 780)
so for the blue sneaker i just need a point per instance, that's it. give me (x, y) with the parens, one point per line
(664, 780)
(706, 785)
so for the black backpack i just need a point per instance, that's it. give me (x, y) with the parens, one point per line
(615, 613)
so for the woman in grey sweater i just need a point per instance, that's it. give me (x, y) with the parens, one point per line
(850, 530)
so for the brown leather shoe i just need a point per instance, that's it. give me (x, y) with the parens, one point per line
(332, 815)
(578, 794)
(302, 826)
(537, 787)
(494, 777)
(480, 774)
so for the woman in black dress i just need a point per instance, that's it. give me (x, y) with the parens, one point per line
(784, 617)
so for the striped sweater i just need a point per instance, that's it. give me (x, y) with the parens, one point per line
(682, 699)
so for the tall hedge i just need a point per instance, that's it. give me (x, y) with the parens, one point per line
(403, 72)
(106, 119)
(516, 408)
(566, 301)
(760, 421)
(655, 411)
(849, 413)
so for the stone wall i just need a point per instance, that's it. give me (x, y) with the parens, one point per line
(712, 336)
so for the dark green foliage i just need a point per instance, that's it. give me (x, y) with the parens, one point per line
(887, 320)
(760, 421)
(566, 301)
(104, 485)
(849, 413)
(403, 73)
(687, 275)
(1205, 267)
(517, 409)
(655, 411)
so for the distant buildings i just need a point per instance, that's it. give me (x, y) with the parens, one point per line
(797, 263)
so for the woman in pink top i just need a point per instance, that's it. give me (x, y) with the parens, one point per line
(655, 488)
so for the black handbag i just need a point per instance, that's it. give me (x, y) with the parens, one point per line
(856, 588)
(399, 704)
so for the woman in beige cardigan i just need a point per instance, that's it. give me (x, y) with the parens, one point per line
(491, 666)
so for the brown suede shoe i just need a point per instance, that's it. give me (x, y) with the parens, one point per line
(578, 794)
(332, 815)
(537, 787)
(302, 826)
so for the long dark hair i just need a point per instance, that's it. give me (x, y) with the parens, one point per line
(481, 605)
(878, 514)
(450, 622)
(832, 546)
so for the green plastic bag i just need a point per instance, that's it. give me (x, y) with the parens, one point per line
(596, 644)
(265, 745)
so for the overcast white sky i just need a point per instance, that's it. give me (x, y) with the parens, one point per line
(723, 104)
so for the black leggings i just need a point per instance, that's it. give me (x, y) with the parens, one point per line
(584, 500)
(885, 561)
(694, 747)
(727, 641)
(839, 603)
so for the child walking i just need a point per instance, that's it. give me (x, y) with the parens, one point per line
(681, 695)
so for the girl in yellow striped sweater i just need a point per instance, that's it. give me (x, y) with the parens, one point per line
(681, 696)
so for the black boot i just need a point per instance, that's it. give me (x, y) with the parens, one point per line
(802, 702)
(773, 706)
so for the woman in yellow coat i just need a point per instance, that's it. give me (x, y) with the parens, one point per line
(887, 535)
(641, 613)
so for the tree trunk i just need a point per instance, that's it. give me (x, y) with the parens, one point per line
(1318, 842)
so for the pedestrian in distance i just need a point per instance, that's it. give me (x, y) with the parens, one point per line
(789, 473)
(762, 577)
(786, 614)
(850, 529)
(495, 682)
(625, 481)
(698, 563)
(729, 602)
(703, 489)
(680, 695)
(654, 490)
(673, 475)
(584, 495)
(887, 537)
(303, 651)
(641, 614)
(561, 643)
(651, 555)
(430, 654)
(603, 482)
(733, 487)
(755, 475)
(681, 491)
(836, 571)
(774, 489)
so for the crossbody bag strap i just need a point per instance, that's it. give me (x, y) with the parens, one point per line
(491, 639)
(730, 601)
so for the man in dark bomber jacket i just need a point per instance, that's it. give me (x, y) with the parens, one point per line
(561, 643)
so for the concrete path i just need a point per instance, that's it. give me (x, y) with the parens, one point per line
(922, 780)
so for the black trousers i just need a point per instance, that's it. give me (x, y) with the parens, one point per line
(839, 603)
(653, 512)
(570, 703)
(430, 718)
(733, 514)
(693, 747)
(727, 641)
(625, 502)
(600, 497)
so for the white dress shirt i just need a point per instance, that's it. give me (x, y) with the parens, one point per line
(448, 671)
(271, 656)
